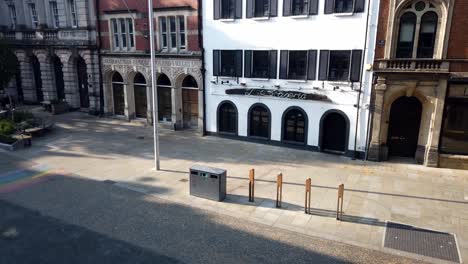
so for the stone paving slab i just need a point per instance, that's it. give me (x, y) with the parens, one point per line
(107, 149)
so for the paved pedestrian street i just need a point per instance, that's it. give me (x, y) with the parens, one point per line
(96, 173)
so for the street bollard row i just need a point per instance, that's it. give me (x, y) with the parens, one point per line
(308, 194)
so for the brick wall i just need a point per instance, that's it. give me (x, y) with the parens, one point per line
(382, 29)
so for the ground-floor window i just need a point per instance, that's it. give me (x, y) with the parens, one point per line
(164, 98)
(118, 94)
(295, 125)
(334, 132)
(454, 136)
(141, 103)
(227, 118)
(259, 122)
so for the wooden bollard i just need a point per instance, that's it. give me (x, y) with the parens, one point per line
(339, 206)
(279, 190)
(307, 196)
(252, 185)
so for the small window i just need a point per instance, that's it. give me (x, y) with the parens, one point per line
(343, 6)
(262, 8)
(163, 30)
(406, 35)
(12, 11)
(227, 9)
(115, 31)
(260, 64)
(300, 7)
(427, 35)
(173, 33)
(228, 63)
(131, 38)
(339, 65)
(182, 44)
(54, 14)
(34, 18)
(297, 65)
(73, 14)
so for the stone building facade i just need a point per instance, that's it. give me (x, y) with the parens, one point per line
(126, 62)
(55, 44)
(420, 96)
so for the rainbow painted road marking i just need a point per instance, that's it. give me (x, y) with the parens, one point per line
(20, 179)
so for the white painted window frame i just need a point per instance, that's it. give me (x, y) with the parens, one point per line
(54, 14)
(129, 37)
(33, 15)
(178, 33)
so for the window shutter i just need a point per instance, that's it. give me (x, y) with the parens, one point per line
(238, 8)
(248, 63)
(273, 63)
(249, 12)
(273, 8)
(217, 9)
(287, 8)
(323, 66)
(359, 6)
(284, 64)
(238, 63)
(356, 57)
(216, 62)
(311, 64)
(329, 6)
(313, 7)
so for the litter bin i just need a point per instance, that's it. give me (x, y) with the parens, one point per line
(208, 183)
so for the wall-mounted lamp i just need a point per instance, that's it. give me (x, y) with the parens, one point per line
(336, 88)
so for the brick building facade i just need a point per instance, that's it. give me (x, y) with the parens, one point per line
(126, 61)
(420, 96)
(55, 44)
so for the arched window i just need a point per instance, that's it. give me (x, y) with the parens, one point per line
(295, 126)
(417, 30)
(118, 94)
(164, 98)
(427, 35)
(190, 94)
(189, 82)
(259, 121)
(58, 73)
(139, 89)
(227, 118)
(334, 130)
(406, 35)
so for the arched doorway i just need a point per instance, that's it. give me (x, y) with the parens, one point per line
(334, 132)
(259, 121)
(36, 67)
(227, 118)
(403, 130)
(294, 125)
(82, 82)
(58, 73)
(118, 94)
(190, 102)
(164, 98)
(141, 102)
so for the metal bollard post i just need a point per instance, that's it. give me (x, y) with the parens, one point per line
(307, 196)
(339, 206)
(252, 185)
(279, 190)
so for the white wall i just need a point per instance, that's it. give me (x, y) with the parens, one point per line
(331, 32)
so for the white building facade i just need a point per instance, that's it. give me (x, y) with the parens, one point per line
(290, 72)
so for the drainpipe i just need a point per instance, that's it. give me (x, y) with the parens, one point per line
(98, 40)
(358, 104)
(203, 69)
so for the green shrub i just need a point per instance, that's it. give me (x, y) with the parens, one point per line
(20, 116)
(7, 127)
(7, 139)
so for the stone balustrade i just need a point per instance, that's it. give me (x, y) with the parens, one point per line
(412, 65)
(48, 35)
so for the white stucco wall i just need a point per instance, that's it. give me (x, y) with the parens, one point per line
(331, 32)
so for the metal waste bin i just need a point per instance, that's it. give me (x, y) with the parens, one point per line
(207, 182)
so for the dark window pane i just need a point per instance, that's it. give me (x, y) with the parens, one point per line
(294, 126)
(261, 8)
(406, 35)
(259, 122)
(343, 6)
(227, 118)
(339, 65)
(228, 63)
(454, 139)
(227, 9)
(297, 65)
(300, 7)
(427, 35)
(260, 64)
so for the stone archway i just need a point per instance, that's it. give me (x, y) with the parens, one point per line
(37, 78)
(164, 90)
(118, 94)
(58, 74)
(82, 75)
(140, 96)
(334, 132)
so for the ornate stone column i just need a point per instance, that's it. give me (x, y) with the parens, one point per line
(377, 112)
(27, 77)
(48, 84)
